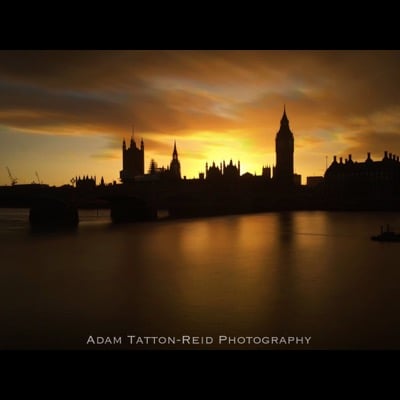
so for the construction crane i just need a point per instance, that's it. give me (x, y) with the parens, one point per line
(12, 179)
(37, 176)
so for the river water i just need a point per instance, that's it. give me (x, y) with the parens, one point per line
(270, 275)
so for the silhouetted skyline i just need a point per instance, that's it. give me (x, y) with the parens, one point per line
(65, 113)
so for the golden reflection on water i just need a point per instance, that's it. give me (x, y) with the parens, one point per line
(303, 273)
(236, 269)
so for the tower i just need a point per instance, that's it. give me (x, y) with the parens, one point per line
(284, 147)
(175, 166)
(132, 160)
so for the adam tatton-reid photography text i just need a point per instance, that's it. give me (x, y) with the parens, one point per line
(198, 340)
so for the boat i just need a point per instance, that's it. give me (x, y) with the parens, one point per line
(386, 236)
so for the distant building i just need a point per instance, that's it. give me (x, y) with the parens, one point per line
(247, 176)
(375, 183)
(297, 179)
(369, 172)
(284, 146)
(266, 172)
(132, 161)
(175, 166)
(173, 172)
(214, 172)
(225, 172)
(313, 181)
(231, 171)
(85, 183)
(154, 169)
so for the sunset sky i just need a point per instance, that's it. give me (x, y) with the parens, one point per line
(65, 113)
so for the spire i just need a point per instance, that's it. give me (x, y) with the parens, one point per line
(284, 116)
(284, 130)
(175, 152)
(132, 139)
(284, 150)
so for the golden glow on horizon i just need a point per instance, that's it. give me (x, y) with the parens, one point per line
(195, 149)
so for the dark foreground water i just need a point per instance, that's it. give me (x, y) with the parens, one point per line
(264, 276)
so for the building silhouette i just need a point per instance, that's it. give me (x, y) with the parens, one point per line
(371, 173)
(175, 166)
(154, 169)
(284, 146)
(266, 172)
(297, 179)
(132, 161)
(173, 172)
(346, 184)
(85, 182)
(224, 171)
(314, 181)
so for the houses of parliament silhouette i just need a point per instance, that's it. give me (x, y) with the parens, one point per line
(283, 173)
(345, 185)
(222, 189)
(343, 173)
(133, 164)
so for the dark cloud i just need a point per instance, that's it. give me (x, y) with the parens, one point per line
(105, 69)
(127, 69)
(73, 70)
(42, 109)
